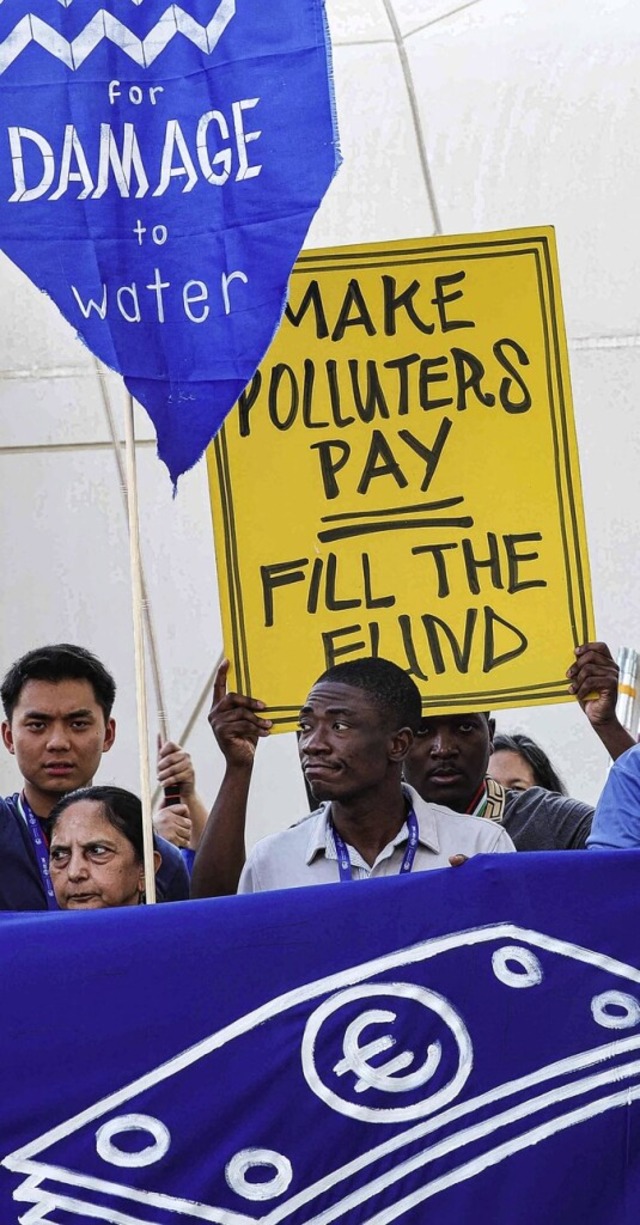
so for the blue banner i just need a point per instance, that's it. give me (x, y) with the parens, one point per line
(457, 1046)
(159, 169)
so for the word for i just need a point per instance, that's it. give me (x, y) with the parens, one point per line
(208, 153)
(192, 297)
(339, 395)
(461, 562)
(135, 93)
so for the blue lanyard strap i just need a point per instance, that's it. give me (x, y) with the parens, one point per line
(344, 863)
(40, 847)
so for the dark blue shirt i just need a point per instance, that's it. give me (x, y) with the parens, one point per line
(20, 884)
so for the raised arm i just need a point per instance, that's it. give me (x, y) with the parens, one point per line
(594, 681)
(237, 727)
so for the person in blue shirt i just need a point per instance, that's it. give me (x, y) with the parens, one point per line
(616, 822)
(57, 703)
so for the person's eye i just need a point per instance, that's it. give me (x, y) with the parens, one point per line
(59, 855)
(303, 726)
(340, 725)
(35, 725)
(98, 851)
(424, 730)
(79, 724)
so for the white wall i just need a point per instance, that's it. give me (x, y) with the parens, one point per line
(454, 118)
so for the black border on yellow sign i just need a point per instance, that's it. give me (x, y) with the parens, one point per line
(575, 565)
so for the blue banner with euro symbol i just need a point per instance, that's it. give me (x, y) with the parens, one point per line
(454, 1046)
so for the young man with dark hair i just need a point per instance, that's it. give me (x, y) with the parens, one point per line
(62, 662)
(57, 702)
(389, 688)
(356, 729)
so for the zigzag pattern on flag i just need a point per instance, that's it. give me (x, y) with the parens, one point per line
(104, 26)
(66, 3)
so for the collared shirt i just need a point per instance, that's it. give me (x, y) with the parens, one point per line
(306, 853)
(489, 800)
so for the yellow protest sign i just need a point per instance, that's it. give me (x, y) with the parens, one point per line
(401, 478)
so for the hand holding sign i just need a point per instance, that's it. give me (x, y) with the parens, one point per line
(594, 682)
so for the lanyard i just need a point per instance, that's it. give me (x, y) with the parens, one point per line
(344, 863)
(40, 848)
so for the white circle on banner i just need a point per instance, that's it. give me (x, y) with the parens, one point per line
(395, 1078)
(256, 1158)
(627, 1016)
(160, 1136)
(529, 973)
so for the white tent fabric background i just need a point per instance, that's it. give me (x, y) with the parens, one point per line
(454, 118)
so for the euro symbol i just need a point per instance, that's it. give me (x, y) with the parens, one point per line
(384, 1076)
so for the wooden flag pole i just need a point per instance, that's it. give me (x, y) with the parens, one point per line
(148, 621)
(138, 645)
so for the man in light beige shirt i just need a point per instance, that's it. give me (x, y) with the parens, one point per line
(356, 729)
(306, 854)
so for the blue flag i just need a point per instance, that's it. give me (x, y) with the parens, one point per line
(455, 1046)
(159, 169)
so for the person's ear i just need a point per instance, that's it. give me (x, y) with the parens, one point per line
(400, 743)
(7, 736)
(141, 891)
(492, 731)
(109, 735)
(157, 860)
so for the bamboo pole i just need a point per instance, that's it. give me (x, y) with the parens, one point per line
(148, 620)
(137, 606)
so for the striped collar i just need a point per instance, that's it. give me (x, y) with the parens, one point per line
(489, 800)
